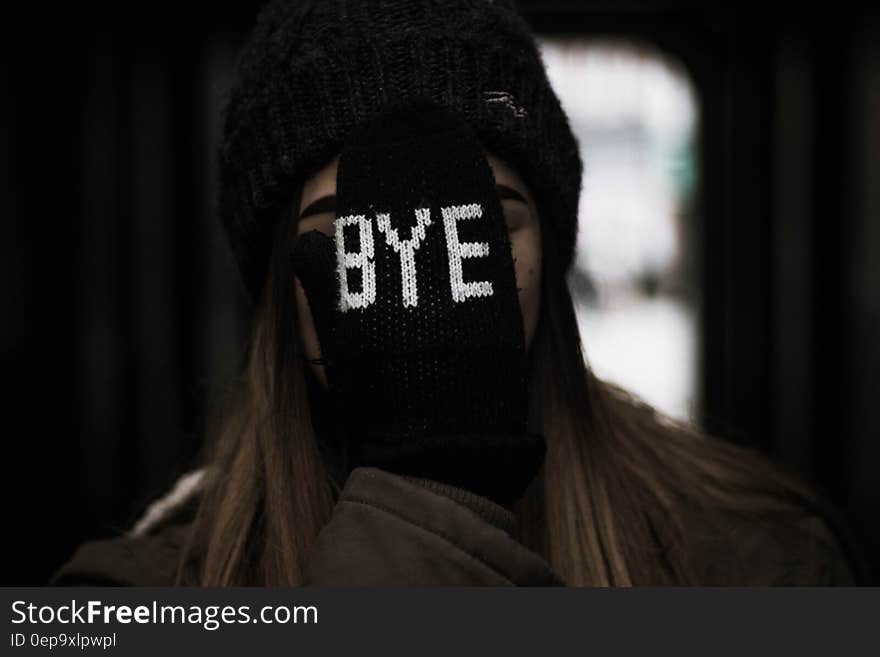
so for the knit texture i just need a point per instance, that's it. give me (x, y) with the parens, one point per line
(312, 71)
(416, 307)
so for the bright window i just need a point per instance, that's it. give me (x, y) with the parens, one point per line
(634, 112)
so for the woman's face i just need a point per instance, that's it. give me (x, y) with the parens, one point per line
(523, 225)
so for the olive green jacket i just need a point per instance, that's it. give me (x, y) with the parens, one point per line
(390, 530)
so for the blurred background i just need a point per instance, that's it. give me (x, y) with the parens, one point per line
(728, 266)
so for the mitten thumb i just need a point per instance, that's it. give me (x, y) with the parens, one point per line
(313, 260)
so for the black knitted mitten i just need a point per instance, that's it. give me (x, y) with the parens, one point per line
(417, 311)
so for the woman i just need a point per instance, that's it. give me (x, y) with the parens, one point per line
(400, 189)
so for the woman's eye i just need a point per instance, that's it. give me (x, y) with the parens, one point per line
(516, 215)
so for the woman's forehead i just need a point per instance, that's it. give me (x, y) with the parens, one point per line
(321, 183)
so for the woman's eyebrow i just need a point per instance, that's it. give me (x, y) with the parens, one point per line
(505, 192)
(322, 205)
(328, 203)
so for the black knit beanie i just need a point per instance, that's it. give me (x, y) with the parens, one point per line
(313, 70)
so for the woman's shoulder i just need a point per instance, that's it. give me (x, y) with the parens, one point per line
(737, 518)
(791, 547)
(146, 555)
(126, 560)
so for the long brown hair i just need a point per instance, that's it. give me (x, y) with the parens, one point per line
(609, 507)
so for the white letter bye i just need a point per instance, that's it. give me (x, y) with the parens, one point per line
(406, 249)
(362, 260)
(461, 250)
